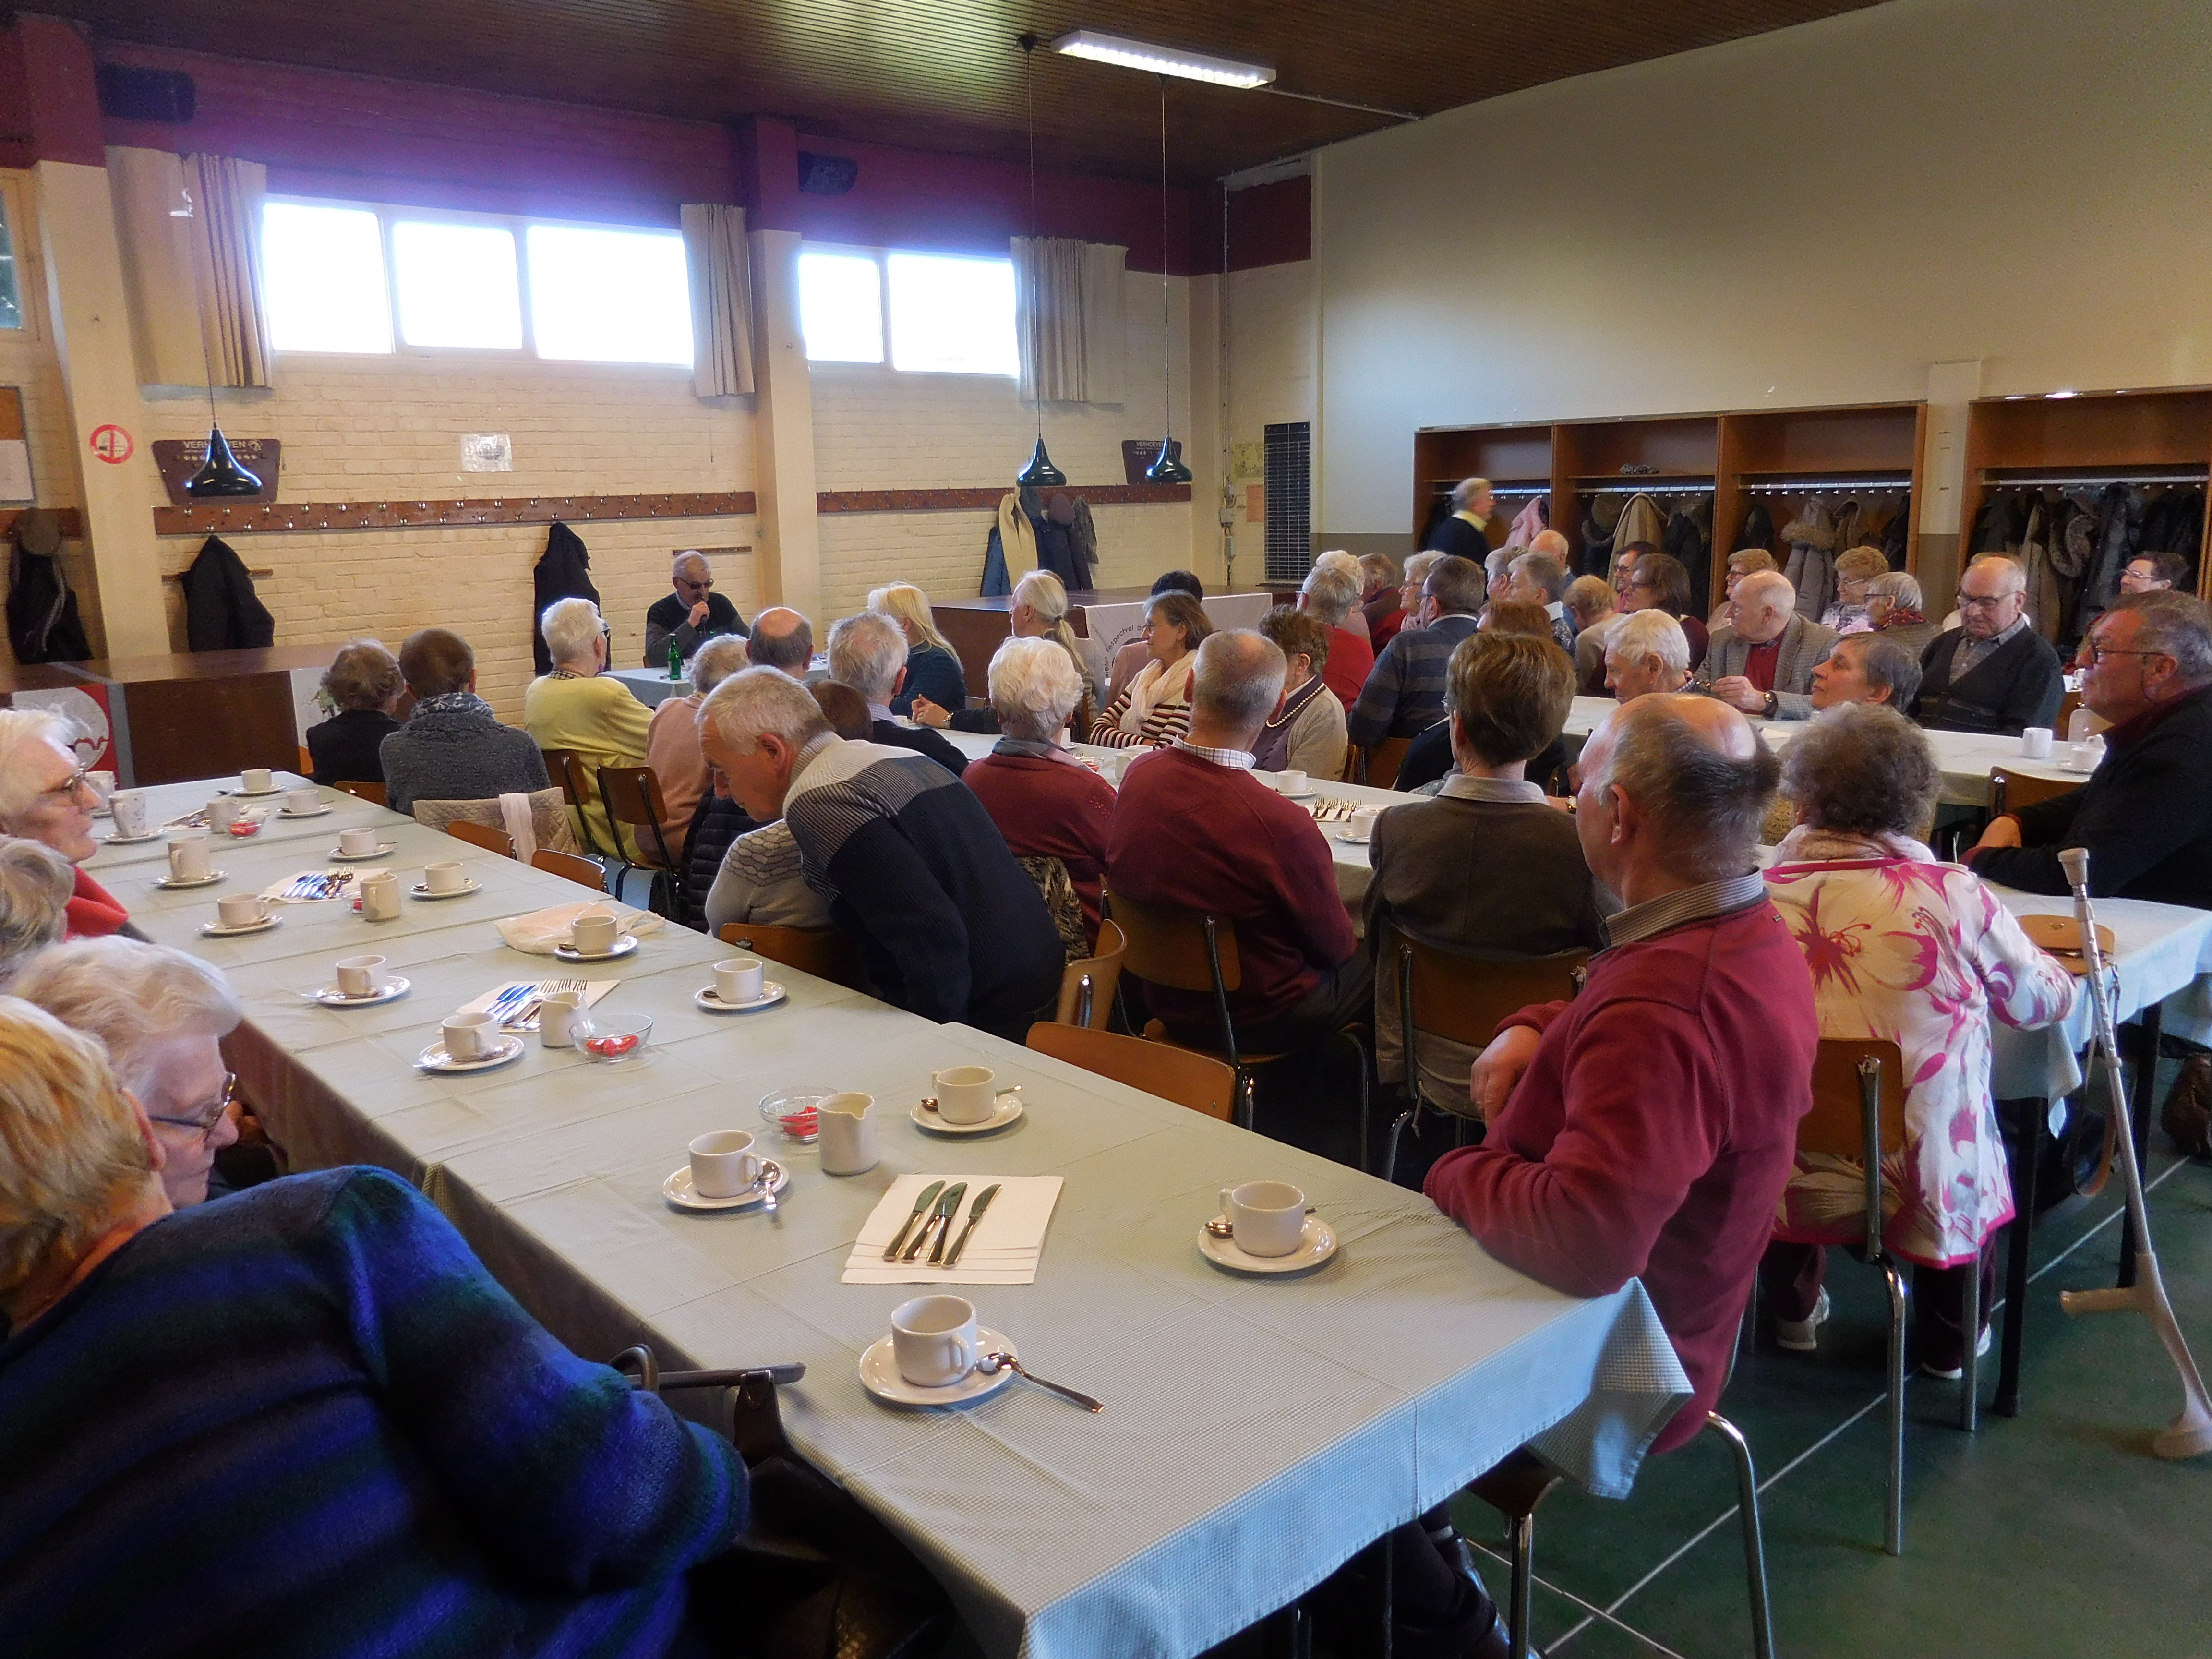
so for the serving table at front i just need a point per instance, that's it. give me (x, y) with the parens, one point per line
(1258, 1431)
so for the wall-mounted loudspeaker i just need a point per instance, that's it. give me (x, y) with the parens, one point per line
(144, 95)
(826, 175)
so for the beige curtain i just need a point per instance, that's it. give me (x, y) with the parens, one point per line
(1067, 314)
(190, 232)
(722, 299)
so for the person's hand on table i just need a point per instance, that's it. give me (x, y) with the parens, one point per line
(926, 712)
(2002, 832)
(1740, 693)
(1498, 1067)
(699, 614)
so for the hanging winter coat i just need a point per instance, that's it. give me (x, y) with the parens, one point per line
(563, 572)
(222, 610)
(2173, 522)
(1530, 522)
(1757, 529)
(43, 625)
(1083, 539)
(1896, 545)
(2002, 523)
(2045, 609)
(1641, 521)
(1685, 538)
(1811, 566)
(2119, 538)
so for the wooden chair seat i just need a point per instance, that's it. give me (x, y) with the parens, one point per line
(824, 952)
(1182, 1075)
(361, 790)
(586, 872)
(483, 836)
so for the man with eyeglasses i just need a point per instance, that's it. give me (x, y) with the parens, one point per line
(47, 796)
(163, 1016)
(1993, 673)
(2146, 813)
(690, 616)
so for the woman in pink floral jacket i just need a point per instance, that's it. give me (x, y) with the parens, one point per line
(1920, 952)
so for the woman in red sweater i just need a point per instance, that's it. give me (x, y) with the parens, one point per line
(44, 797)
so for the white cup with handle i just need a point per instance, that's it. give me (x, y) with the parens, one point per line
(1267, 1218)
(594, 932)
(739, 980)
(188, 859)
(445, 876)
(103, 785)
(1291, 783)
(2035, 743)
(134, 813)
(724, 1163)
(934, 1339)
(360, 976)
(471, 1036)
(222, 811)
(966, 1094)
(301, 802)
(241, 909)
(257, 781)
(848, 1134)
(358, 843)
(380, 897)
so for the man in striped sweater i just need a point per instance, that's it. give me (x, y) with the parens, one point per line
(950, 927)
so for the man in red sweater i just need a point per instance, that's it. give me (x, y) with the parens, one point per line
(1193, 828)
(1647, 1127)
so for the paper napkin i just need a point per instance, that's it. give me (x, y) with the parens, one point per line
(1005, 1247)
(537, 932)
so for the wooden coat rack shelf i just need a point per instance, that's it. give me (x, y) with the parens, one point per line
(942, 501)
(249, 518)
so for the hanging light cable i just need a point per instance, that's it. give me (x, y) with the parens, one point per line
(220, 475)
(1168, 468)
(1040, 473)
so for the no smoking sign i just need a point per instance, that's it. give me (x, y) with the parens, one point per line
(111, 444)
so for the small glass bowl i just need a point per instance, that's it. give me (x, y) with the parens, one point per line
(792, 1111)
(616, 1037)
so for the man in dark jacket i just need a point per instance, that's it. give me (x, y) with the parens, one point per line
(2146, 813)
(1460, 533)
(691, 615)
(1993, 672)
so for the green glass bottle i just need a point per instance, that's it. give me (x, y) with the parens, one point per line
(675, 661)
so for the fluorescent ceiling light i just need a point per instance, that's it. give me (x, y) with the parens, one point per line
(1162, 60)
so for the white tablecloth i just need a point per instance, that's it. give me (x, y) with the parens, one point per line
(1258, 1432)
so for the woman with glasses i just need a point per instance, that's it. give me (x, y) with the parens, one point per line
(1662, 583)
(163, 1016)
(44, 796)
(1153, 709)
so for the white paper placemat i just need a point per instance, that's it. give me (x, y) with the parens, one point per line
(1004, 1250)
(278, 892)
(593, 990)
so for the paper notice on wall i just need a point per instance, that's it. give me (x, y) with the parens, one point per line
(14, 469)
(487, 452)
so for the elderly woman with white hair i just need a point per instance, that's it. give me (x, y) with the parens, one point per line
(46, 796)
(1331, 592)
(1893, 606)
(36, 884)
(314, 1383)
(1647, 651)
(1046, 802)
(1039, 612)
(163, 1016)
(671, 739)
(932, 667)
(577, 707)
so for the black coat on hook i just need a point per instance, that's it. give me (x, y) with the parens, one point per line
(222, 610)
(563, 572)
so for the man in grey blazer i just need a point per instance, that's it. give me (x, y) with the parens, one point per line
(1763, 663)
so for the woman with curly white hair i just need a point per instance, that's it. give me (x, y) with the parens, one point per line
(46, 796)
(576, 706)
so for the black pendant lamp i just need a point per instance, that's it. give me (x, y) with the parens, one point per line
(1167, 468)
(1040, 473)
(220, 476)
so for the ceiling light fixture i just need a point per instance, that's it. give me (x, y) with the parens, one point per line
(1040, 473)
(1167, 468)
(1103, 48)
(220, 476)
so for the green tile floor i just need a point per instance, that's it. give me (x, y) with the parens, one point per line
(2055, 1533)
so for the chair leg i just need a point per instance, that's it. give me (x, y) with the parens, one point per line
(1246, 1102)
(1366, 1105)
(1389, 1170)
(1754, 1539)
(1521, 1530)
(1970, 1377)
(1893, 1531)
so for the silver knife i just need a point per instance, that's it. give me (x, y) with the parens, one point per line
(940, 1216)
(945, 1233)
(975, 1214)
(929, 1197)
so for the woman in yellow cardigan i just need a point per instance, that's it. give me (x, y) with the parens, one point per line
(576, 706)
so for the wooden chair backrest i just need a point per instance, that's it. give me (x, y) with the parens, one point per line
(1836, 1124)
(633, 794)
(580, 870)
(307, 762)
(2009, 791)
(1166, 945)
(1384, 759)
(565, 767)
(361, 790)
(1182, 1075)
(1103, 969)
(1464, 998)
(483, 836)
(823, 952)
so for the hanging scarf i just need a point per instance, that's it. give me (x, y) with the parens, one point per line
(1902, 616)
(93, 912)
(1154, 686)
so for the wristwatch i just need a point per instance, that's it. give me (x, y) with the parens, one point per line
(1773, 704)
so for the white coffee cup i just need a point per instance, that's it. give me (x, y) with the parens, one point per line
(1361, 825)
(222, 811)
(241, 909)
(380, 897)
(594, 932)
(934, 1341)
(558, 1016)
(846, 1134)
(134, 813)
(357, 843)
(966, 1094)
(739, 979)
(103, 785)
(302, 801)
(257, 781)
(723, 1163)
(360, 976)
(2035, 743)
(444, 876)
(1291, 783)
(1268, 1218)
(188, 859)
(470, 1037)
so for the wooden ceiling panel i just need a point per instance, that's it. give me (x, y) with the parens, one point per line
(931, 75)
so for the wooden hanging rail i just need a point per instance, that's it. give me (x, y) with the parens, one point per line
(249, 518)
(943, 501)
(70, 520)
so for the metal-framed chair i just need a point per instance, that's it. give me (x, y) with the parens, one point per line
(585, 872)
(1087, 985)
(2009, 791)
(1464, 999)
(1190, 950)
(824, 952)
(483, 836)
(632, 796)
(361, 790)
(1381, 761)
(565, 767)
(1182, 1075)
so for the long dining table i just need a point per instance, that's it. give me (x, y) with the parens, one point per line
(1258, 1430)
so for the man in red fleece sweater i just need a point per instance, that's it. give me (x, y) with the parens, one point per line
(1647, 1127)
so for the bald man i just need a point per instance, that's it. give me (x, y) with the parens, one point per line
(691, 615)
(781, 638)
(1762, 663)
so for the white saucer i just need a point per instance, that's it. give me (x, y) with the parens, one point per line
(131, 841)
(1351, 840)
(286, 813)
(879, 1376)
(244, 794)
(622, 946)
(1303, 794)
(339, 855)
(1316, 1248)
(216, 929)
(207, 881)
(1010, 1107)
(395, 988)
(771, 994)
(435, 1058)
(676, 1189)
(422, 891)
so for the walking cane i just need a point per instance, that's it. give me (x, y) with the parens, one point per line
(2191, 1432)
